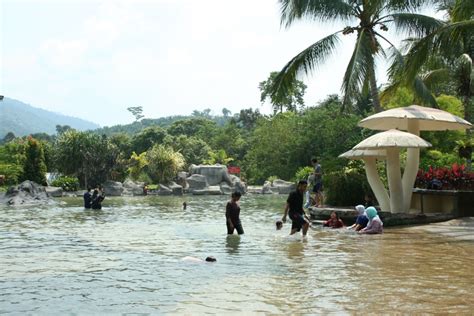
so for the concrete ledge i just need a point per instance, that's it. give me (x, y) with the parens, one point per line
(348, 215)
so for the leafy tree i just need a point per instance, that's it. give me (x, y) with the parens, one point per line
(8, 137)
(85, 155)
(163, 163)
(193, 149)
(34, 168)
(198, 127)
(147, 138)
(371, 17)
(12, 160)
(60, 129)
(226, 112)
(136, 112)
(231, 140)
(247, 119)
(291, 100)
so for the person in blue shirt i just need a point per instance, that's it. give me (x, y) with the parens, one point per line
(361, 221)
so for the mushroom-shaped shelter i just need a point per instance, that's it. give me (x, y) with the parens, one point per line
(392, 140)
(414, 118)
(369, 157)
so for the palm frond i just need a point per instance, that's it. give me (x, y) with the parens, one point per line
(306, 61)
(418, 25)
(434, 77)
(423, 94)
(323, 10)
(442, 41)
(409, 5)
(463, 10)
(358, 68)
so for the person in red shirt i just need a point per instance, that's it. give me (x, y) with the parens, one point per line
(334, 221)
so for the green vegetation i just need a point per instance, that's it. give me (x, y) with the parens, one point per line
(435, 68)
(69, 184)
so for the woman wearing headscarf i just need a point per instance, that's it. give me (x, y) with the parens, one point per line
(361, 220)
(375, 225)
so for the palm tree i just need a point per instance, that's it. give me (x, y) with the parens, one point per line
(365, 18)
(446, 55)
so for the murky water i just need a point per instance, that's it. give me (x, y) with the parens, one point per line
(126, 258)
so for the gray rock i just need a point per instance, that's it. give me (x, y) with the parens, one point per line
(225, 188)
(197, 182)
(215, 174)
(181, 180)
(267, 188)
(164, 190)
(282, 187)
(26, 193)
(176, 188)
(238, 185)
(113, 188)
(54, 191)
(211, 190)
(133, 188)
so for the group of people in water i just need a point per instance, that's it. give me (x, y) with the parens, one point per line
(366, 222)
(94, 200)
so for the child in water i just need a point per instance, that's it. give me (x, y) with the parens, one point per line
(375, 225)
(334, 221)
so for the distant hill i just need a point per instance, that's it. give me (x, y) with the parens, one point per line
(23, 119)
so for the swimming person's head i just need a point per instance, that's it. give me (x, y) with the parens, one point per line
(184, 205)
(371, 212)
(360, 209)
(279, 225)
(334, 215)
(211, 259)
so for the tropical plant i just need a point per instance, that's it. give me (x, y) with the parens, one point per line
(367, 19)
(457, 177)
(137, 163)
(163, 163)
(219, 156)
(68, 184)
(34, 168)
(445, 55)
(291, 100)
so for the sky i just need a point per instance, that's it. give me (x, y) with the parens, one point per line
(94, 58)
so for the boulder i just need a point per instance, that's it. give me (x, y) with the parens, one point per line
(267, 188)
(54, 191)
(225, 188)
(26, 193)
(164, 190)
(113, 188)
(215, 174)
(181, 179)
(238, 185)
(133, 188)
(196, 182)
(176, 188)
(283, 187)
(211, 190)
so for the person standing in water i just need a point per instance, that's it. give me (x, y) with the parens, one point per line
(232, 214)
(294, 208)
(87, 199)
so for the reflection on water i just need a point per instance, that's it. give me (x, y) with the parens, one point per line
(127, 258)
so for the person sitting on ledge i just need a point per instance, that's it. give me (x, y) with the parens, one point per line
(361, 220)
(334, 221)
(375, 225)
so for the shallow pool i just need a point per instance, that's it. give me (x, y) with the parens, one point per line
(126, 258)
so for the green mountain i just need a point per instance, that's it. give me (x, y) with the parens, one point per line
(23, 119)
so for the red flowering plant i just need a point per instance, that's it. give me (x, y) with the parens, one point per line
(454, 178)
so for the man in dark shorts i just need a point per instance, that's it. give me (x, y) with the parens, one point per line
(294, 208)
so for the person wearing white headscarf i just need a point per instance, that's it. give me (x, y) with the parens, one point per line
(361, 219)
(375, 225)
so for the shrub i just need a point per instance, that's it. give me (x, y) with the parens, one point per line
(272, 178)
(67, 183)
(454, 178)
(345, 188)
(303, 173)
